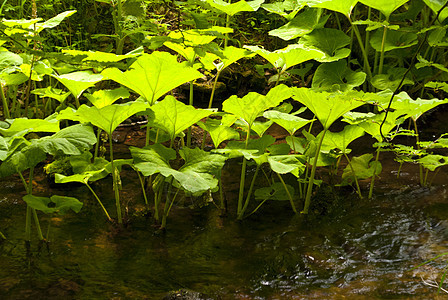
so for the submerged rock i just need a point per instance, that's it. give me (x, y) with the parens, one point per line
(184, 294)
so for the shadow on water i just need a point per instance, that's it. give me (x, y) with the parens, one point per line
(363, 248)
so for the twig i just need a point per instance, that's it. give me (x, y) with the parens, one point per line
(436, 285)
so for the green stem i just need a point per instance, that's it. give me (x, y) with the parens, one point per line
(36, 221)
(426, 177)
(243, 176)
(249, 194)
(417, 141)
(383, 43)
(190, 103)
(291, 200)
(142, 184)
(115, 181)
(28, 224)
(372, 183)
(313, 172)
(97, 146)
(5, 103)
(2, 236)
(99, 201)
(358, 189)
(363, 50)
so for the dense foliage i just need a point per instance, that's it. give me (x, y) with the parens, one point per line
(331, 72)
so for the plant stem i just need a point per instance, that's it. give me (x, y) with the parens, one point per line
(363, 50)
(36, 221)
(2, 236)
(28, 224)
(313, 172)
(243, 176)
(249, 194)
(115, 181)
(142, 184)
(358, 189)
(372, 183)
(99, 201)
(383, 43)
(5, 103)
(98, 137)
(190, 103)
(291, 200)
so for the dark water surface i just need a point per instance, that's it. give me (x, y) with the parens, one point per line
(361, 249)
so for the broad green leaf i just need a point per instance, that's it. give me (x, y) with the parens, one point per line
(386, 7)
(195, 176)
(341, 140)
(78, 82)
(274, 192)
(107, 118)
(227, 56)
(363, 168)
(104, 98)
(21, 160)
(153, 75)
(336, 76)
(59, 204)
(22, 126)
(391, 79)
(328, 107)
(234, 8)
(436, 5)
(302, 24)
(99, 56)
(51, 93)
(298, 145)
(330, 42)
(255, 148)
(220, 130)
(371, 122)
(9, 79)
(10, 59)
(433, 161)
(284, 164)
(437, 85)
(438, 37)
(193, 37)
(174, 117)
(415, 108)
(373, 25)
(345, 7)
(287, 8)
(394, 40)
(55, 21)
(153, 159)
(425, 63)
(253, 104)
(289, 122)
(21, 23)
(287, 57)
(72, 140)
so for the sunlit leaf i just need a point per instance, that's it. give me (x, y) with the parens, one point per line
(336, 76)
(289, 122)
(152, 75)
(78, 82)
(107, 118)
(24, 125)
(220, 130)
(436, 5)
(174, 117)
(104, 98)
(328, 107)
(386, 7)
(234, 8)
(330, 42)
(302, 24)
(51, 93)
(345, 7)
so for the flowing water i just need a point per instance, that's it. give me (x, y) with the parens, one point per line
(360, 249)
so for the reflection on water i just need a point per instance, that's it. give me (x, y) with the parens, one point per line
(363, 248)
